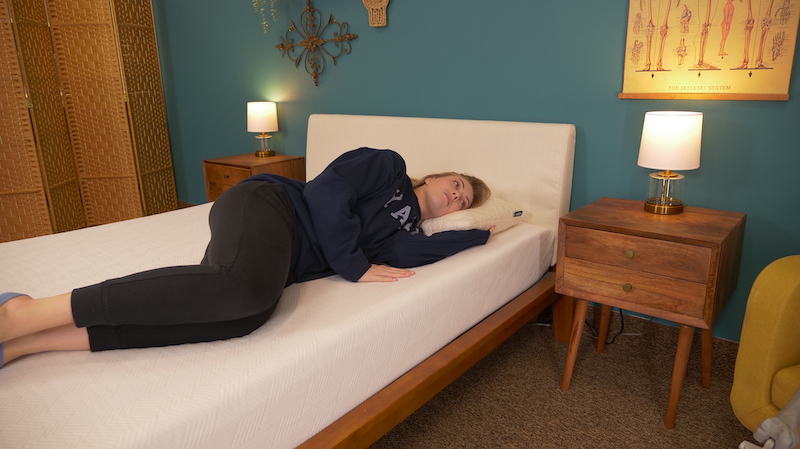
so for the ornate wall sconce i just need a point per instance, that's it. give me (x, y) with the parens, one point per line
(313, 51)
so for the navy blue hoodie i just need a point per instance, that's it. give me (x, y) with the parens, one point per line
(362, 210)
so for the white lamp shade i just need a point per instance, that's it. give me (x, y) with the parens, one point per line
(262, 117)
(671, 140)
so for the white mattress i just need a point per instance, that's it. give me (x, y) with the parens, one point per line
(329, 346)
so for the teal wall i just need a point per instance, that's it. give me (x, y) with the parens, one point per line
(500, 59)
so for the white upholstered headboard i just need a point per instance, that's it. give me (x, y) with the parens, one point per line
(529, 164)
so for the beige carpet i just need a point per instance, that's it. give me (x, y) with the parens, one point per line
(618, 399)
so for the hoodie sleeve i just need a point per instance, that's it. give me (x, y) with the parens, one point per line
(332, 196)
(406, 250)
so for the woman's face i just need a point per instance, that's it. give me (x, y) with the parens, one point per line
(441, 196)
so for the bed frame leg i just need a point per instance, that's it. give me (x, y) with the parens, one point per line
(563, 311)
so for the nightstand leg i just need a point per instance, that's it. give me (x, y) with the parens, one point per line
(679, 372)
(707, 342)
(574, 342)
(602, 333)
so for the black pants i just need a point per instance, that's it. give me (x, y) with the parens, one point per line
(231, 293)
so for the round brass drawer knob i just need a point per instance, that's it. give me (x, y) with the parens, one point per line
(629, 254)
(226, 176)
(627, 287)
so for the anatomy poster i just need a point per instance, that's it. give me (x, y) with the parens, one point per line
(715, 49)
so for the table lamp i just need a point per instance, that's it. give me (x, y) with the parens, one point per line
(670, 141)
(262, 117)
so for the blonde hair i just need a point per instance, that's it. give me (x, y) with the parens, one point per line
(480, 191)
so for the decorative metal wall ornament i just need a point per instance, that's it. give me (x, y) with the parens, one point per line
(313, 43)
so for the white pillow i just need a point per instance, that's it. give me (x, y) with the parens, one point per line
(494, 211)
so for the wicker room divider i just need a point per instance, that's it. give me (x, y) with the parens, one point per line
(86, 113)
(23, 203)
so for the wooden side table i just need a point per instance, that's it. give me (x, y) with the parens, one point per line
(225, 172)
(682, 268)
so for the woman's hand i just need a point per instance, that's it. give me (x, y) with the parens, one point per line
(384, 273)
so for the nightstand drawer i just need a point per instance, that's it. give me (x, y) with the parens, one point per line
(636, 287)
(225, 172)
(220, 178)
(659, 257)
(294, 169)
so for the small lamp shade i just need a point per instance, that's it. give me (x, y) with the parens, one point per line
(262, 117)
(671, 140)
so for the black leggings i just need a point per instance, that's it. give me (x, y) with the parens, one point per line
(231, 293)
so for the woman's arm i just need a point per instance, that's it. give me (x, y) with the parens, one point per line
(405, 250)
(407, 256)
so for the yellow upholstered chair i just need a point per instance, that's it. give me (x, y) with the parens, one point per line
(767, 372)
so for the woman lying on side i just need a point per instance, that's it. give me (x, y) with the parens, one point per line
(358, 219)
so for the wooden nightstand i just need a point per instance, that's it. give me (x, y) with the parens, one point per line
(223, 173)
(682, 268)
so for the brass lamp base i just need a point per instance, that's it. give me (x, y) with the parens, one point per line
(666, 188)
(265, 153)
(658, 206)
(262, 150)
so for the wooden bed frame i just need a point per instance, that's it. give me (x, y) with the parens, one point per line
(373, 418)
